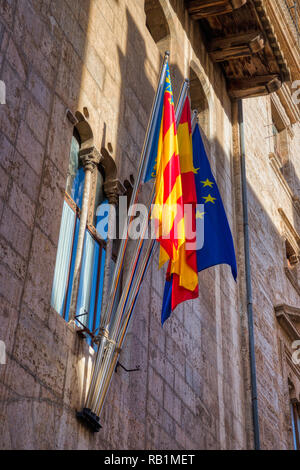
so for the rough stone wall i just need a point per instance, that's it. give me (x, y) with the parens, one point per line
(271, 287)
(191, 390)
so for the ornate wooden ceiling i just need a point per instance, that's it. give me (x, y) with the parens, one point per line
(240, 36)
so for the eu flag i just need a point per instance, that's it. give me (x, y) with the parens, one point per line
(218, 245)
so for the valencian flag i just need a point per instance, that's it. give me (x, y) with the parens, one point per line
(218, 247)
(182, 275)
(164, 165)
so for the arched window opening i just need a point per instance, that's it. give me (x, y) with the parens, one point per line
(89, 296)
(157, 25)
(199, 101)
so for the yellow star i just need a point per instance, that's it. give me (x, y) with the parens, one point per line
(195, 171)
(209, 198)
(200, 215)
(207, 183)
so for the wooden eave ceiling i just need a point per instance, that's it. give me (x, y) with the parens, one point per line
(241, 38)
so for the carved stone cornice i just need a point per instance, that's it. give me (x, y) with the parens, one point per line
(277, 165)
(290, 231)
(289, 319)
(90, 158)
(279, 15)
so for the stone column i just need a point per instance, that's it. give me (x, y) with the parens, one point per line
(90, 158)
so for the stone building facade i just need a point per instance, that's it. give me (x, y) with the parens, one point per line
(94, 65)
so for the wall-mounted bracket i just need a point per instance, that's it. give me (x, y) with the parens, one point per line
(137, 369)
(82, 332)
(89, 419)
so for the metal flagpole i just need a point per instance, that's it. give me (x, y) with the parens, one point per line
(142, 165)
(119, 263)
(99, 380)
(150, 247)
(128, 299)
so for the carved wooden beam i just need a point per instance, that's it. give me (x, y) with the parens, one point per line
(207, 8)
(254, 86)
(236, 46)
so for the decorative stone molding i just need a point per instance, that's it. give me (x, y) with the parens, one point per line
(276, 164)
(90, 158)
(113, 188)
(291, 240)
(280, 18)
(273, 40)
(289, 231)
(289, 319)
(281, 111)
(287, 102)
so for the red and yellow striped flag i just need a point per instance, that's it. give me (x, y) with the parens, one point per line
(168, 210)
(184, 269)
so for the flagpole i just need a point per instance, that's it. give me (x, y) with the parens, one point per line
(124, 329)
(128, 298)
(100, 379)
(142, 165)
(106, 317)
(149, 249)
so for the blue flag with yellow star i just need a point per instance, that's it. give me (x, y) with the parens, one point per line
(218, 245)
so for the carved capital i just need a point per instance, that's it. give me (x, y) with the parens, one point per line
(113, 188)
(90, 158)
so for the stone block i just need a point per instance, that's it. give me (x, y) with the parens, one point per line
(38, 287)
(50, 201)
(14, 57)
(42, 354)
(36, 114)
(8, 325)
(60, 136)
(15, 232)
(22, 205)
(15, 262)
(30, 148)
(39, 90)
